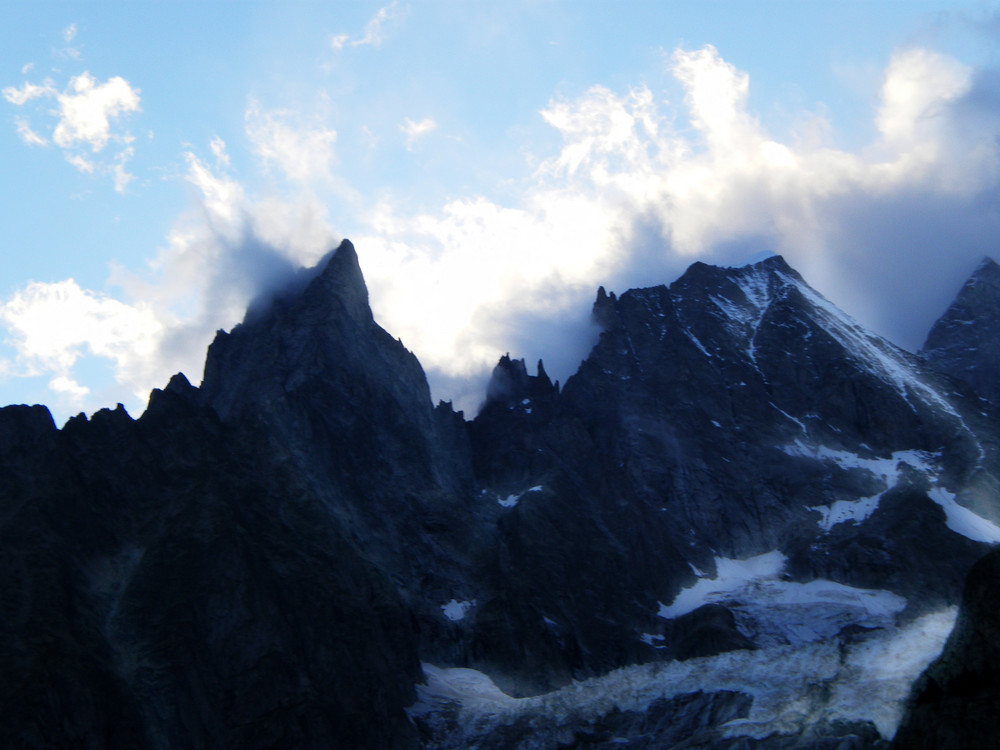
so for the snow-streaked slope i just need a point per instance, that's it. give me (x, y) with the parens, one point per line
(888, 471)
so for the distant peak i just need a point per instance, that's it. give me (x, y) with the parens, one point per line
(755, 259)
(986, 267)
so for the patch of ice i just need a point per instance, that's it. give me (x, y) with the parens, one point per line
(511, 500)
(789, 417)
(885, 469)
(456, 610)
(962, 520)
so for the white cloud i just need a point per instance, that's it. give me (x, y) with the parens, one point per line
(69, 34)
(416, 130)
(52, 325)
(222, 196)
(87, 108)
(304, 154)
(374, 32)
(631, 196)
(121, 176)
(65, 385)
(28, 135)
(82, 164)
(29, 91)
(218, 147)
(85, 115)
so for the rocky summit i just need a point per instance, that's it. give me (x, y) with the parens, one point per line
(744, 522)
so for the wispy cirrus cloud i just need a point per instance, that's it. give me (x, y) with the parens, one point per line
(414, 130)
(374, 32)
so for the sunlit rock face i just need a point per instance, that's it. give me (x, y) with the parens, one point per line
(743, 522)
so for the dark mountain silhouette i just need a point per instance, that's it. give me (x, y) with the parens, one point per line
(305, 552)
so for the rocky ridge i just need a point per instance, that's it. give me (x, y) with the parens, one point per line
(265, 561)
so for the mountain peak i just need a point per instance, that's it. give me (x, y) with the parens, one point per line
(965, 341)
(340, 278)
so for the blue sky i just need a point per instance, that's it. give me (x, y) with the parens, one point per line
(493, 163)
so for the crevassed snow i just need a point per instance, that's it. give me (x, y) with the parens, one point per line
(770, 611)
(456, 611)
(793, 687)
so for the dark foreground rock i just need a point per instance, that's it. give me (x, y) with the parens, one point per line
(954, 705)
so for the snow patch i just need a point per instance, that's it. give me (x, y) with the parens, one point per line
(456, 610)
(697, 343)
(958, 518)
(843, 511)
(652, 639)
(511, 500)
(963, 521)
(731, 576)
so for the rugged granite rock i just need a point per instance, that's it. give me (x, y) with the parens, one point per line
(266, 560)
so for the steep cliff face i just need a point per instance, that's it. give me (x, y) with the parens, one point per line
(166, 585)
(348, 410)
